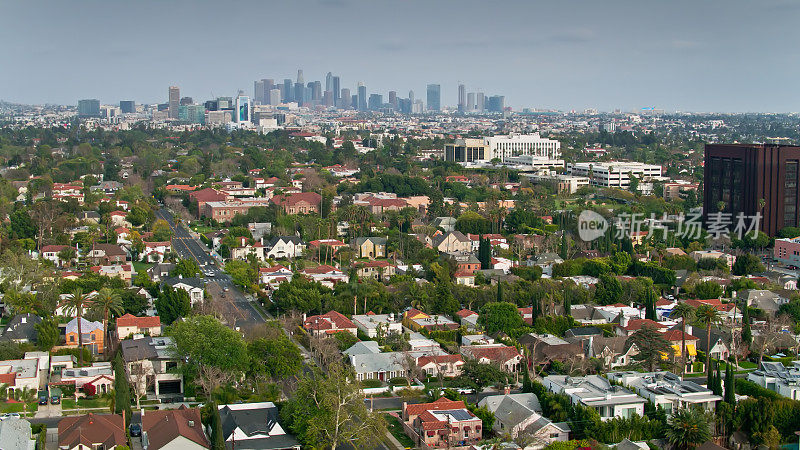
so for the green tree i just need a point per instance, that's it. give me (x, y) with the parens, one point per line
(328, 410)
(186, 268)
(300, 294)
(277, 358)
(608, 289)
(707, 316)
(106, 302)
(746, 264)
(747, 334)
(706, 290)
(47, 334)
(482, 375)
(122, 389)
(485, 253)
(688, 428)
(730, 385)
(74, 304)
(172, 304)
(500, 316)
(161, 231)
(205, 341)
(652, 346)
(242, 273)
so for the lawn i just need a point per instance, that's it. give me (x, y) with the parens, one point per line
(7, 407)
(748, 365)
(98, 402)
(139, 266)
(396, 428)
(202, 229)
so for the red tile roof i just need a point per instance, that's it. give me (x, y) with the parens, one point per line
(331, 320)
(91, 429)
(442, 404)
(292, 199)
(678, 335)
(165, 426)
(466, 313)
(129, 320)
(637, 324)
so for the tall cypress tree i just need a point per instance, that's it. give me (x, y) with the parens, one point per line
(710, 375)
(718, 381)
(499, 291)
(730, 386)
(747, 334)
(485, 253)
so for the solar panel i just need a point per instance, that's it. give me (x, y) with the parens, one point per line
(457, 414)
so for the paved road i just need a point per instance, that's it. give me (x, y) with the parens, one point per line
(189, 247)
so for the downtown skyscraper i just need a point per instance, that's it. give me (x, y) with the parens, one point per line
(174, 102)
(434, 97)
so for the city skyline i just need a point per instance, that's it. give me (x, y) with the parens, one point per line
(711, 56)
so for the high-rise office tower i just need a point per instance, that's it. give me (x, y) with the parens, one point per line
(337, 93)
(258, 91)
(471, 101)
(496, 103)
(752, 179)
(174, 101)
(329, 82)
(345, 101)
(127, 106)
(186, 101)
(300, 76)
(480, 102)
(434, 97)
(288, 90)
(411, 96)
(89, 108)
(462, 98)
(274, 96)
(375, 102)
(316, 91)
(242, 112)
(393, 99)
(362, 97)
(299, 93)
(327, 98)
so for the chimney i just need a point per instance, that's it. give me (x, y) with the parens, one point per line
(623, 322)
(191, 423)
(689, 329)
(180, 276)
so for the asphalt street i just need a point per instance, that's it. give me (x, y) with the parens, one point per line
(189, 247)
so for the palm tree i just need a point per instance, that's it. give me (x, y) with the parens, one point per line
(707, 316)
(686, 313)
(688, 428)
(74, 304)
(25, 395)
(107, 302)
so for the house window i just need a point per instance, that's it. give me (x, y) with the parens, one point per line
(72, 338)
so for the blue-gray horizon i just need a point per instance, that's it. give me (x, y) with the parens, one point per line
(707, 56)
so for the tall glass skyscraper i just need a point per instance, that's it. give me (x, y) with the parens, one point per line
(174, 101)
(434, 97)
(362, 97)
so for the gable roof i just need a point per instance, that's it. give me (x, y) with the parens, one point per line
(328, 321)
(89, 429)
(493, 353)
(163, 427)
(87, 326)
(255, 419)
(189, 281)
(443, 403)
(21, 327)
(129, 320)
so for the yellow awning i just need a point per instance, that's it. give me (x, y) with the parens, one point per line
(691, 350)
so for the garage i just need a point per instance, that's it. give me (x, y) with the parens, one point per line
(169, 387)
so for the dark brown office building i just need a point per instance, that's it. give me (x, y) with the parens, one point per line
(741, 175)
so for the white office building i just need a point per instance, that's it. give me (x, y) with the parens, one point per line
(615, 173)
(504, 147)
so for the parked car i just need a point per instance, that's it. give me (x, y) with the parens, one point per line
(135, 429)
(42, 397)
(55, 396)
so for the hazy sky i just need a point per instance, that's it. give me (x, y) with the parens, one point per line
(690, 55)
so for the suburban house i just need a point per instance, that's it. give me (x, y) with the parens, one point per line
(107, 254)
(448, 366)
(377, 270)
(173, 429)
(329, 323)
(192, 285)
(545, 348)
(128, 325)
(254, 426)
(373, 324)
(594, 391)
(92, 335)
(763, 299)
(777, 378)
(154, 251)
(676, 338)
(614, 351)
(206, 195)
(122, 271)
(153, 365)
(92, 431)
(99, 376)
(299, 203)
(50, 253)
(546, 261)
(521, 414)
(417, 320)
(284, 247)
(381, 366)
(369, 247)
(668, 390)
(325, 274)
(468, 318)
(160, 270)
(628, 327)
(465, 262)
(19, 374)
(442, 423)
(244, 249)
(452, 242)
(275, 275)
(21, 329)
(505, 357)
